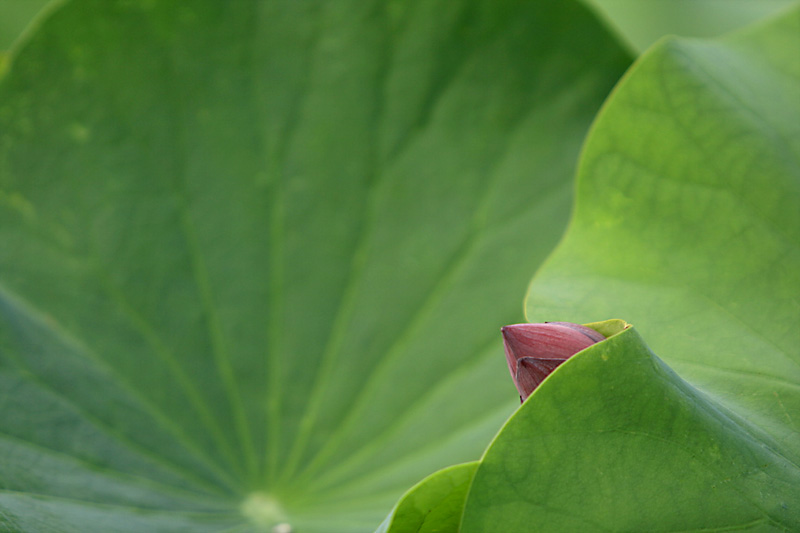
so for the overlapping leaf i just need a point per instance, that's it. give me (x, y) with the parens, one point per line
(686, 223)
(615, 440)
(433, 505)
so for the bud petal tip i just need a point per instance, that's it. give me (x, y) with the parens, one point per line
(533, 351)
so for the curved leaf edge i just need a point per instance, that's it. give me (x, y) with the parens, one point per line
(766, 476)
(404, 506)
(429, 499)
(727, 449)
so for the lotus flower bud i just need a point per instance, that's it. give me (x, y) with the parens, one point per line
(533, 351)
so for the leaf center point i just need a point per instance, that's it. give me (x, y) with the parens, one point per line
(264, 510)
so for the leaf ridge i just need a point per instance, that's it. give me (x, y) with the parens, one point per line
(121, 475)
(222, 357)
(67, 338)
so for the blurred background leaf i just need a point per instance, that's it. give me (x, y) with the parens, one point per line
(640, 23)
(15, 16)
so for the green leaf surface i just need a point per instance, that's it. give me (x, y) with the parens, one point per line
(614, 440)
(434, 505)
(687, 224)
(687, 221)
(15, 16)
(256, 254)
(643, 23)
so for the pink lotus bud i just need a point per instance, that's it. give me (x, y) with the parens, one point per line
(533, 351)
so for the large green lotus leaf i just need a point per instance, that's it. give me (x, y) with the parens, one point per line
(255, 254)
(614, 440)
